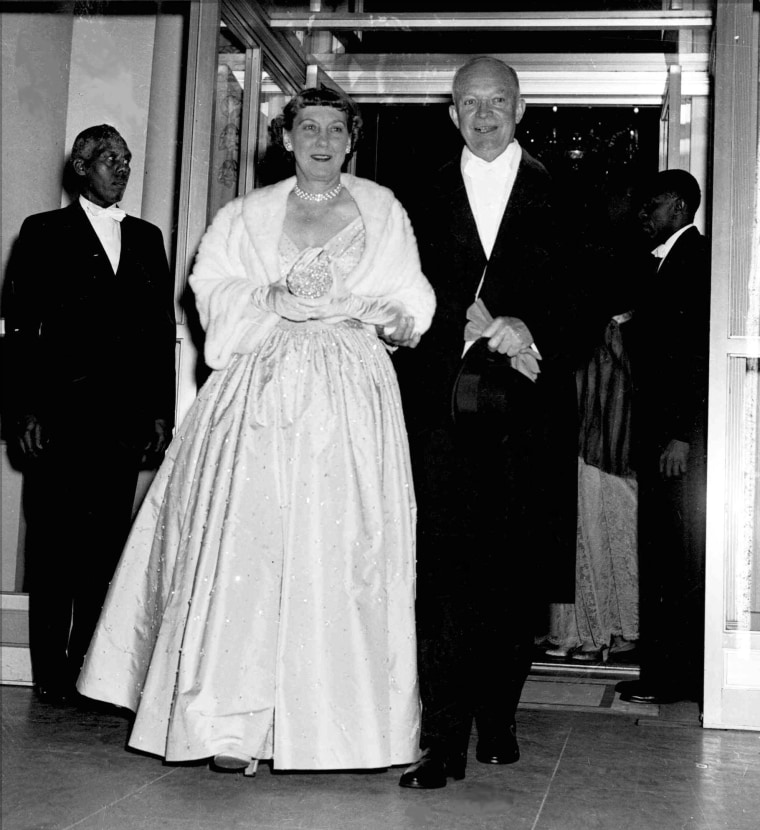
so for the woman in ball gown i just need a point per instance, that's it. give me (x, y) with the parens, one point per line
(264, 604)
(605, 617)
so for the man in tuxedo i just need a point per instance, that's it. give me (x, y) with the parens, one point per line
(496, 489)
(669, 348)
(90, 340)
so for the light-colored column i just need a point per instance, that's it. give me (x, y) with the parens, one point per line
(110, 83)
(732, 630)
(160, 179)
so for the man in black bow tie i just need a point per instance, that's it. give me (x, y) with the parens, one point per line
(669, 346)
(496, 489)
(90, 348)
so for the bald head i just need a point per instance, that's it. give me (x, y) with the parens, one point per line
(486, 61)
(487, 105)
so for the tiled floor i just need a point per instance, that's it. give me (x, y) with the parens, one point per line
(584, 765)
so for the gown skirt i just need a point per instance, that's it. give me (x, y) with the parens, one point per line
(607, 564)
(264, 602)
(606, 573)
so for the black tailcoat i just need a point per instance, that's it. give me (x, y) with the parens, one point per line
(670, 346)
(497, 509)
(530, 275)
(81, 336)
(668, 343)
(90, 354)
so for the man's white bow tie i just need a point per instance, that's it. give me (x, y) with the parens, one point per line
(114, 212)
(477, 168)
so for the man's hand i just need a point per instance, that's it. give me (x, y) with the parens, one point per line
(674, 459)
(400, 332)
(31, 437)
(158, 442)
(508, 335)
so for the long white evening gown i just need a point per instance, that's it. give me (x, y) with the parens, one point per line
(265, 599)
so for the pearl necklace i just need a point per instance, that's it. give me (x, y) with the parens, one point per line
(318, 197)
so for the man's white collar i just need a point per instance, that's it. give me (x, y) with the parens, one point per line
(474, 166)
(661, 251)
(96, 210)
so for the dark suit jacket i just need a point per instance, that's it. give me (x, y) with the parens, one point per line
(86, 346)
(528, 276)
(669, 346)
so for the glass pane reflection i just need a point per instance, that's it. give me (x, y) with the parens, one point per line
(272, 163)
(225, 151)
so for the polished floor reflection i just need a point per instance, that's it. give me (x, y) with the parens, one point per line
(588, 762)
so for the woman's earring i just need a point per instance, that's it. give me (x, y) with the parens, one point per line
(288, 145)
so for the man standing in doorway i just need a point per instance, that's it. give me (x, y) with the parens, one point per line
(497, 488)
(669, 347)
(90, 339)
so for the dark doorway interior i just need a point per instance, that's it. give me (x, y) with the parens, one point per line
(586, 149)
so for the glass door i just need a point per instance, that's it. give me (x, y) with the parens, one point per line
(270, 160)
(248, 97)
(234, 70)
(732, 631)
(256, 75)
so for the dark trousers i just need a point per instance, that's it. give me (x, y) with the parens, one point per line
(474, 598)
(78, 505)
(475, 644)
(672, 577)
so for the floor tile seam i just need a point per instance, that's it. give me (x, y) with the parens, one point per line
(117, 801)
(580, 709)
(585, 681)
(31, 750)
(551, 780)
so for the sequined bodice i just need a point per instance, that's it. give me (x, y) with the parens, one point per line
(312, 272)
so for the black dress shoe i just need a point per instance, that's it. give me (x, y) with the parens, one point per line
(54, 694)
(634, 691)
(499, 748)
(432, 770)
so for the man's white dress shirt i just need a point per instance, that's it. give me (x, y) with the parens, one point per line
(661, 251)
(106, 223)
(489, 185)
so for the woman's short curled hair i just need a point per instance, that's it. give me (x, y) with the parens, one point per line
(322, 97)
